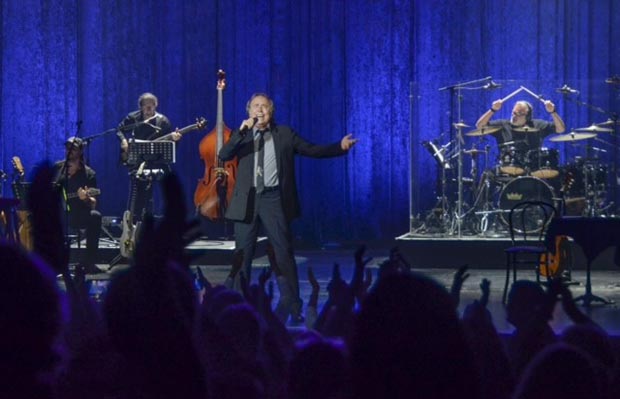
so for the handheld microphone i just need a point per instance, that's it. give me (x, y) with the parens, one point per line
(567, 90)
(245, 128)
(491, 86)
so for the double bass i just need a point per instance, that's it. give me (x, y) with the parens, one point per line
(214, 190)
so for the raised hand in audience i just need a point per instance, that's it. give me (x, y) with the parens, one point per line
(457, 283)
(314, 294)
(47, 231)
(311, 309)
(336, 316)
(152, 309)
(395, 264)
(357, 281)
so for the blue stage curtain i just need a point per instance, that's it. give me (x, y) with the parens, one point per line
(332, 67)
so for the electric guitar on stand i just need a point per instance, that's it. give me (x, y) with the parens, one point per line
(128, 236)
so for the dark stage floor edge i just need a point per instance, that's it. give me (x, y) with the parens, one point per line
(445, 251)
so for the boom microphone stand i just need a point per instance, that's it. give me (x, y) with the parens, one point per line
(456, 92)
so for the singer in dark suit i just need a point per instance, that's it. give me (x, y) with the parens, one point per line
(265, 192)
(143, 124)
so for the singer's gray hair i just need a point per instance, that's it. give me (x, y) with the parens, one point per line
(272, 108)
(147, 96)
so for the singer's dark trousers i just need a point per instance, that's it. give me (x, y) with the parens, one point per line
(267, 212)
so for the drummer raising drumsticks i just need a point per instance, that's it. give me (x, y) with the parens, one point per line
(520, 136)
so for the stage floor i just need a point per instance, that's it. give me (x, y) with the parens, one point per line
(605, 283)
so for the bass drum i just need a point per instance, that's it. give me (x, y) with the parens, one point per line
(525, 188)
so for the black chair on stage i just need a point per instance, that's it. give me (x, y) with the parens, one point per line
(593, 235)
(527, 223)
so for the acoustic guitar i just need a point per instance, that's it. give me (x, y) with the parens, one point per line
(562, 257)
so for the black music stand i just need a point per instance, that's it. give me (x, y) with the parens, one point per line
(593, 235)
(154, 153)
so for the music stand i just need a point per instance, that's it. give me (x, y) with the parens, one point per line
(154, 153)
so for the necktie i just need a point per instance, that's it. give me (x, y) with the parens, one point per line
(260, 172)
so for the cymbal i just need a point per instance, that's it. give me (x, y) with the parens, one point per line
(460, 125)
(474, 151)
(483, 131)
(572, 136)
(525, 129)
(594, 129)
(513, 143)
(609, 122)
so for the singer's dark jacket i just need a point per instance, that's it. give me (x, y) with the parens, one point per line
(143, 131)
(287, 144)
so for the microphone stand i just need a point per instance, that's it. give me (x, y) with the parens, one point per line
(456, 90)
(65, 185)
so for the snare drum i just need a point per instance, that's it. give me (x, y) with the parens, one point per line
(543, 163)
(512, 161)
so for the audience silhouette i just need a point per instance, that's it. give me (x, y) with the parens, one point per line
(155, 335)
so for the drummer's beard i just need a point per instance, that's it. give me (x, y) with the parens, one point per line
(518, 120)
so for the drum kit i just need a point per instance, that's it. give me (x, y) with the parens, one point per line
(579, 186)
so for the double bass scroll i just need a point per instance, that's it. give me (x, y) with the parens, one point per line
(214, 190)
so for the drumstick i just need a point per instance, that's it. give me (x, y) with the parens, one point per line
(540, 98)
(514, 93)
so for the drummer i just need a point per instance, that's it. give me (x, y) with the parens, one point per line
(522, 129)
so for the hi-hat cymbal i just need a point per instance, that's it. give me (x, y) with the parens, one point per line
(483, 131)
(460, 125)
(525, 129)
(572, 136)
(609, 122)
(594, 129)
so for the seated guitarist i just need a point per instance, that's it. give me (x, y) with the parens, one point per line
(79, 185)
(143, 124)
